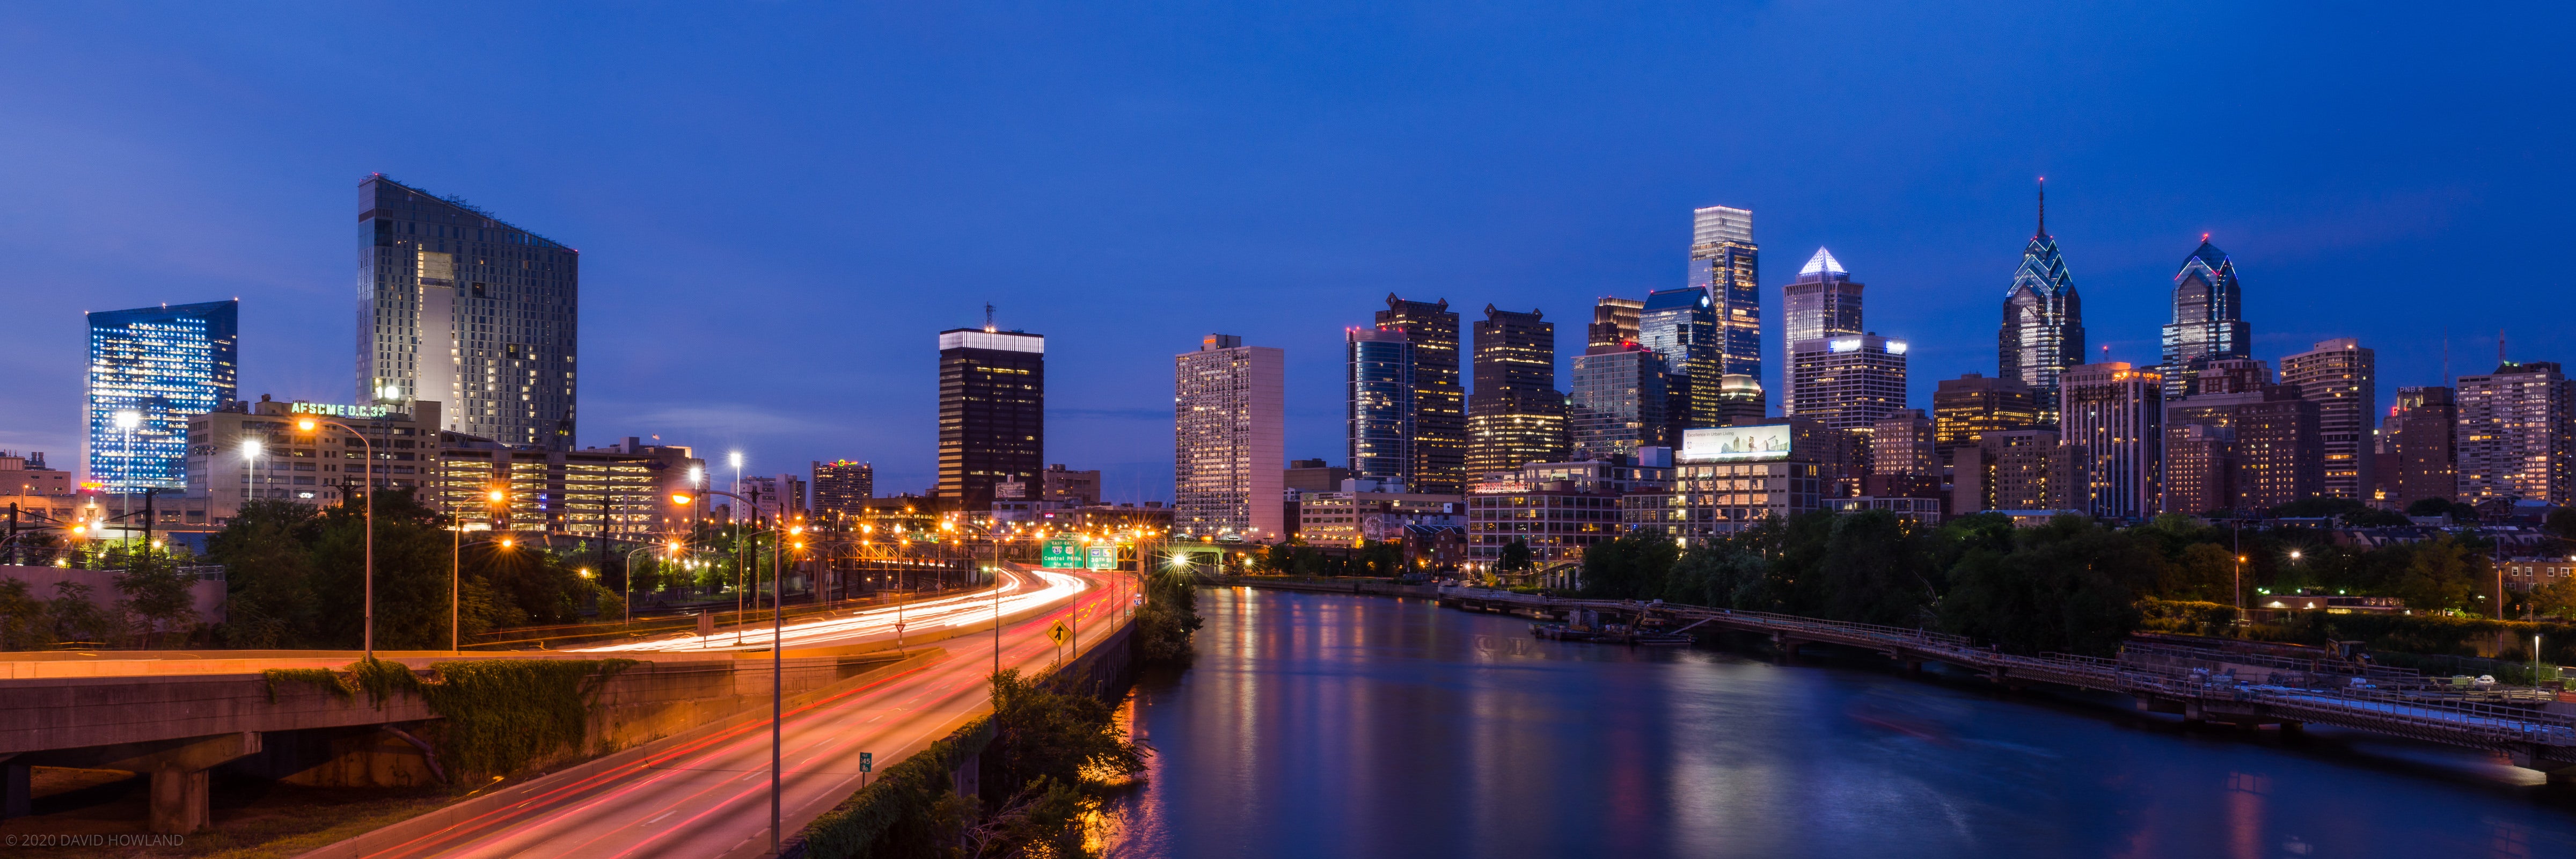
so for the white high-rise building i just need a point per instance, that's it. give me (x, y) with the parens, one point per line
(2515, 439)
(1228, 442)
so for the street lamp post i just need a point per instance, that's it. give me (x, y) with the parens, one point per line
(777, 697)
(309, 423)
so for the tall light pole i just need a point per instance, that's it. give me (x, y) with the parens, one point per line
(777, 707)
(308, 424)
(250, 460)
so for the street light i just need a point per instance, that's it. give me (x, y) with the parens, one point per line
(308, 424)
(777, 694)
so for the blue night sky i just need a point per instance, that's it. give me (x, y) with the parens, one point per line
(779, 204)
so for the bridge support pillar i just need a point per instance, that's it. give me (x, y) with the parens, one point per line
(2292, 729)
(1913, 666)
(181, 801)
(1788, 648)
(17, 788)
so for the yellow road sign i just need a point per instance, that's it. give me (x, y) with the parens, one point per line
(1059, 633)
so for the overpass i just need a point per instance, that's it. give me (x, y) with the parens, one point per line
(2529, 727)
(175, 716)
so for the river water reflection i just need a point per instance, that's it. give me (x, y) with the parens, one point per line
(1315, 725)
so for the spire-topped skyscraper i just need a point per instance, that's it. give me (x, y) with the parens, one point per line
(2206, 317)
(2043, 328)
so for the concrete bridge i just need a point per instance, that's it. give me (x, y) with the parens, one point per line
(2529, 727)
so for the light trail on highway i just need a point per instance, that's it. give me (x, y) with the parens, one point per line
(942, 614)
(710, 797)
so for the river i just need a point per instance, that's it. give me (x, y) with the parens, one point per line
(1316, 725)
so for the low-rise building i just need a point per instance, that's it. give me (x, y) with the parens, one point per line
(2526, 573)
(1370, 510)
(1925, 512)
(1728, 479)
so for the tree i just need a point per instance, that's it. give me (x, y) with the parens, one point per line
(2069, 586)
(77, 617)
(1635, 566)
(2205, 572)
(2562, 523)
(25, 622)
(1516, 555)
(2439, 574)
(268, 575)
(158, 593)
(2556, 598)
(1875, 570)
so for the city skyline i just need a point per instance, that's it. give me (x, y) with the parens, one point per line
(274, 206)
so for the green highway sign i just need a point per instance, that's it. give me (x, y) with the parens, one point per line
(1061, 553)
(1104, 556)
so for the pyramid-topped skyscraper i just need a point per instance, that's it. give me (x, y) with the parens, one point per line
(2043, 327)
(2208, 318)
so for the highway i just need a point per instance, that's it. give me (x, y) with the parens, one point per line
(710, 797)
(1025, 589)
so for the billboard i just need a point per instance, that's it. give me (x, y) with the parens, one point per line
(1735, 444)
(1061, 553)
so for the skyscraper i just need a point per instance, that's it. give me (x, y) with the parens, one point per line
(842, 489)
(1380, 364)
(2206, 310)
(1726, 263)
(2342, 379)
(2513, 436)
(2113, 415)
(1965, 409)
(1848, 382)
(2423, 431)
(1439, 401)
(1516, 415)
(1228, 439)
(1680, 326)
(459, 307)
(992, 412)
(1618, 401)
(2043, 329)
(1824, 302)
(150, 369)
(1614, 321)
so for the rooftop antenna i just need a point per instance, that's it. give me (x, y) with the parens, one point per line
(2043, 206)
(2500, 348)
(2446, 359)
(988, 316)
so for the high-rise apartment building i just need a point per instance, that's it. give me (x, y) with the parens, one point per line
(1079, 487)
(1901, 445)
(992, 412)
(2422, 434)
(1725, 263)
(1618, 401)
(2022, 469)
(1823, 302)
(1614, 321)
(2113, 415)
(2514, 435)
(842, 489)
(1228, 440)
(459, 307)
(150, 369)
(1439, 399)
(1848, 382)
(1680, 326)
(2255, 450)
(1966, 408)
(2342, 379)
(2043, 329)
(2207, 317)
(1381, 425)
(1516, 415)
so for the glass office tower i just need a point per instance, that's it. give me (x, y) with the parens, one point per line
(1439, 399)
(458, 307)
(1726, 263)
(150, 369)
(1823, 302)
(2043, 328)
(1381, 404)
(2206, 317)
